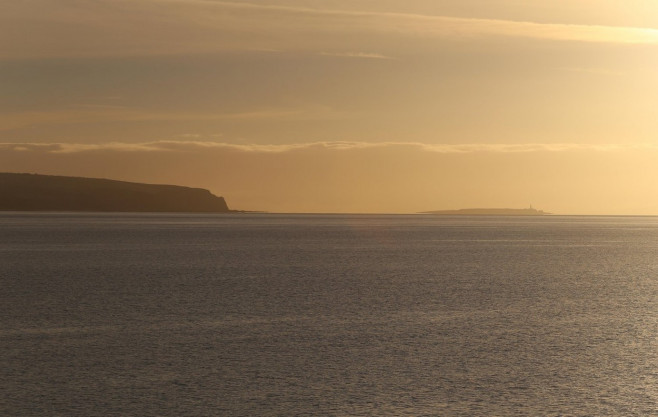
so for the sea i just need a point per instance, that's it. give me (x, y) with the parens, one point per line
(327, 315)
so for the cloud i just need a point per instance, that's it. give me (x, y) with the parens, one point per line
(99, 113)
(61, 148)
(529, 147)
(202, 146)
(369, 177)
(364, 55)
(595, 71)
(42, 28)
(455, 26)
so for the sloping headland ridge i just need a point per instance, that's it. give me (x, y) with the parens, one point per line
(32, 192)
(490, 212)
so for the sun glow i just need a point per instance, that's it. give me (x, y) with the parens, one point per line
(341, 105)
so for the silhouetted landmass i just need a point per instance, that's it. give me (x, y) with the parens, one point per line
(490, 212)
(32, 192)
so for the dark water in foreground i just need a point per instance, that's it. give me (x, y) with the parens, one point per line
(276, 315)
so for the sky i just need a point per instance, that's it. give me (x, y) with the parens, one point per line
(382, 106)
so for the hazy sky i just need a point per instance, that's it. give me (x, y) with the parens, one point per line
(341, 105)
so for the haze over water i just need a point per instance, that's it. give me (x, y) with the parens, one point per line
(267, 315)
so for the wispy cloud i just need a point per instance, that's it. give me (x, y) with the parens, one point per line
(528, 147)
(192, 145)
(369, 177)
(100, 113)
(364, 55)
(455, 26)
(137, 27)
(594, 71)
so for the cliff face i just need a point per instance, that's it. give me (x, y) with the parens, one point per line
(21, 192)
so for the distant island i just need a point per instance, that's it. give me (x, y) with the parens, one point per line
(32, 192)
(490, 212)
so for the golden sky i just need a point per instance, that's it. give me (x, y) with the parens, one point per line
(341, 105)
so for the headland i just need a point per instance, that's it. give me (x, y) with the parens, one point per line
(33, 192)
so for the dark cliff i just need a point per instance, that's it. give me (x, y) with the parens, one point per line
(31, 192)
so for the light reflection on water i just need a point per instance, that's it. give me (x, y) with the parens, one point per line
(265, 315)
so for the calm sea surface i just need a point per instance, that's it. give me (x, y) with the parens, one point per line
(336, 315)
